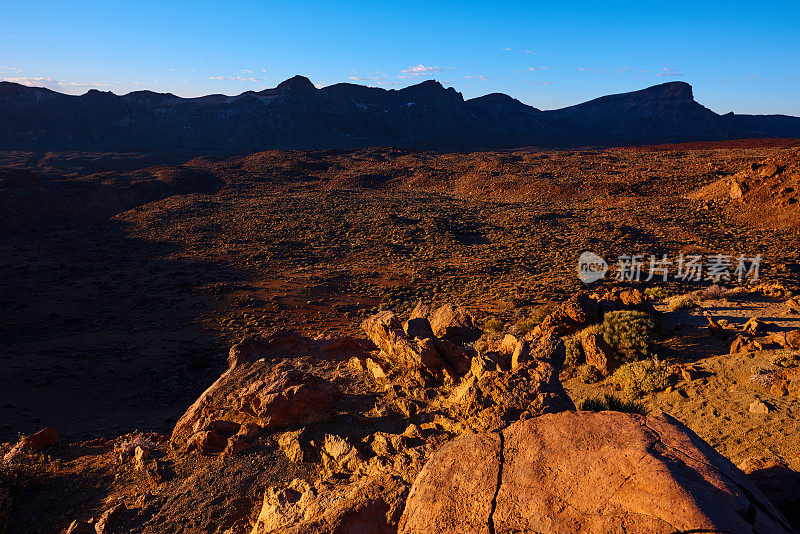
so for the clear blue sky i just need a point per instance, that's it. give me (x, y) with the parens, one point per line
(739, 56)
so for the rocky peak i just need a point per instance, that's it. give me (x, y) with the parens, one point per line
(297, 86)
(674, 92)
(431, 90)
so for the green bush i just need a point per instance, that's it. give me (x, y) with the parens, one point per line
(642, 377)
(494, 324)
(629, 332)
(658, 293)
(575, 355)
(529, 323)
(611, 403)
(786, 358)
(590, 374)
(681, 303)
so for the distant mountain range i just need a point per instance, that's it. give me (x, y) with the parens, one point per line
(297, 115)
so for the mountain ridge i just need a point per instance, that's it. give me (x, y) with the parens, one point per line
(297, 115)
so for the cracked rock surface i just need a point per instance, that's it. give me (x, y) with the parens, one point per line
(586, 472)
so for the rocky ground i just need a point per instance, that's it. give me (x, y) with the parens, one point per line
(112, 328)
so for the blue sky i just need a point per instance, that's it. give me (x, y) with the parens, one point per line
(739, 56)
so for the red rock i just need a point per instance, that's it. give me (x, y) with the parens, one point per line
(774, 477)
(369, 505)
(156, 473)
(291, 399)
(208, 442)
(582, 309)
(80, 527)
(108, 522)
(741, 344)
(41, 440)
(223, 427)
(599, 353)
(236, 445)
(415, 355)
(754, 326)
(249, 430)
(586, 472)
(454, 323)
(548, 348)
(454, 355)
(789, 340)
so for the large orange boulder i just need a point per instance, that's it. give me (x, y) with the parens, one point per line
(586, 472)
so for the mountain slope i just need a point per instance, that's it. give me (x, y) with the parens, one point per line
(295, 114)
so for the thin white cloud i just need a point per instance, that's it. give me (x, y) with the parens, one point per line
(669, 72)
(480, 77)
(588, 69)
(421, 70)
(377, 78)
(52, 83)
(237, 78)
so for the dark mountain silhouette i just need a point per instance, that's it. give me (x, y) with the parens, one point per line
(295, 114)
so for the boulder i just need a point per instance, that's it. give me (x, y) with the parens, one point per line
(340, 454)
(208, 442)
(743, 344)
(294, 398)
(455, 324)
(548, 348)
(242, 356)
(789, 340)
(110, 519)
(508, 344)
(759, 407)
(586, 472)
(414, 355)
(755, 326)
(44, 439)
(370, 505)
(582, 309)
(294, 445)
(599, 354)
(773, 476)
(80, 527)
(496, 398)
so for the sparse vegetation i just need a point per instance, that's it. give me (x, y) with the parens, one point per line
(611, 403)
(786, 358)
(575, 355)
(629, 332)
(493, 324)
(641, 377)
(529, 323)
(658, 293)
(681, 303)
(590, 374)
